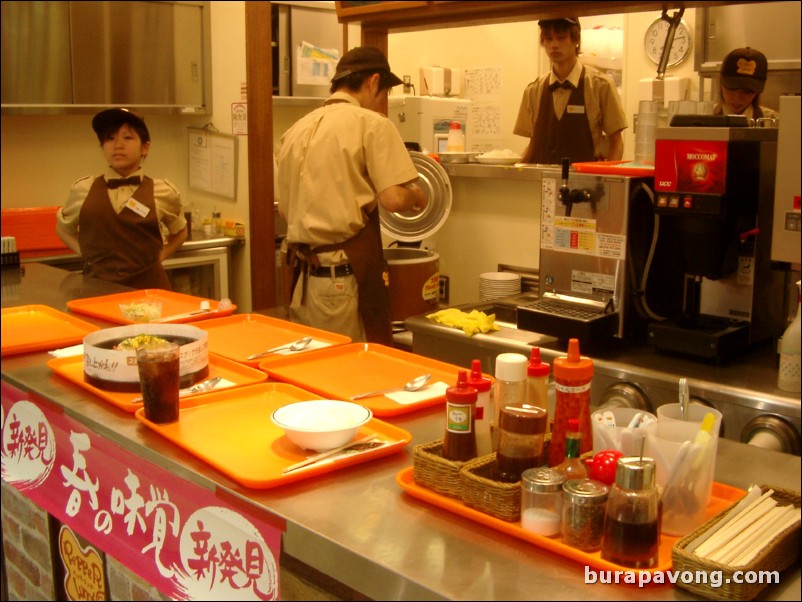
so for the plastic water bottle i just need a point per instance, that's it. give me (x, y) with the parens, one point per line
(790, 373)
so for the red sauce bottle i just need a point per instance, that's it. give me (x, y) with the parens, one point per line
(459, 442)
(572, 376)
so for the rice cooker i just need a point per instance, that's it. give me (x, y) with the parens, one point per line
(414, 272)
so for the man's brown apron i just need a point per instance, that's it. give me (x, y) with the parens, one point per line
(366, 256)
(124, 247)
(568, 136)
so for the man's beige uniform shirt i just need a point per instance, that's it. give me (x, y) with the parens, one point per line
(332, 164)
(602, 105)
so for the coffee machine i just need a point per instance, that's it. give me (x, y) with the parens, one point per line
(714, 193)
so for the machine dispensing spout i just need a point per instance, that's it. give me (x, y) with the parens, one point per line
(567, 196)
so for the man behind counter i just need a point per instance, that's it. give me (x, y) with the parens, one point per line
(573, 110)
(335, 167)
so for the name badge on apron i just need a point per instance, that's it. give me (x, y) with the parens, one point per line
(575, 109)
(137, 207)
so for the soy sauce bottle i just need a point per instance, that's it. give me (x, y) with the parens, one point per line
(632, 528)
(459, 442)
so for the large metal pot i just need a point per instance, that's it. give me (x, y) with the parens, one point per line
(414, 272)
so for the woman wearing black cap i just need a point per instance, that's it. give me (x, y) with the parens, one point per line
(743, 77)
(123, 223)
(573, 110)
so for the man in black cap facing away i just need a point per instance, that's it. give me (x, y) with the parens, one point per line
(123, 223)
(336, 165)
(573, 110)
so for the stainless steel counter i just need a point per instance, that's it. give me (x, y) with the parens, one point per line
(744, 389)
(357, 526)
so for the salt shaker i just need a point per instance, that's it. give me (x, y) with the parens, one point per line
(584, 502)
(632, 530)
(542, 501)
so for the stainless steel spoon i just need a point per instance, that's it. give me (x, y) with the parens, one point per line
(415, 384)
(201, 387)
(684, 398)
(294, 346)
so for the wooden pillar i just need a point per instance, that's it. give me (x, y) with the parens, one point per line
(262, 229)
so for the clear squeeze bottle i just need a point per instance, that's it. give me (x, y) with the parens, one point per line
(459, 443)
(537, 381)
(509, 388)
(572, 376)
(484, 409)
(456, 138)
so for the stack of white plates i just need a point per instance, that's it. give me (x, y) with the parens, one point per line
(493, 285)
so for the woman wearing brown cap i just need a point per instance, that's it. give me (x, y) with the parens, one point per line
(336, 166)
(743, 77)
(573, 110)
(123, 223)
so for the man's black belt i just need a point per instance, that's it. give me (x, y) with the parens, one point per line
(331, 271)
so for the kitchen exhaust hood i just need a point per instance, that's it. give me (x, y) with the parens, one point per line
(79, 57)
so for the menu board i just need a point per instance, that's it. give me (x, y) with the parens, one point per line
(213, 162)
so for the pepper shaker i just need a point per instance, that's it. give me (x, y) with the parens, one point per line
(584, 502)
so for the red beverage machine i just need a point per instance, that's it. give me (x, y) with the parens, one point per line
(714, 191)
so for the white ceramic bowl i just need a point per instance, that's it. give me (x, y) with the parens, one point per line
(321, 424)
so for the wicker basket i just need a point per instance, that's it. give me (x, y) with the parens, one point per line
(481, 491)
(430, 469)
(781, 553)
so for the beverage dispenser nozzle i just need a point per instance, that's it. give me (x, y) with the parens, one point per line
(567, 196)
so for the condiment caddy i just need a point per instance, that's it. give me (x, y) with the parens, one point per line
(723, 497)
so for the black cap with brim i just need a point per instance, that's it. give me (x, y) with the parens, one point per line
(566, 21)
(105, 120)
(364, 58)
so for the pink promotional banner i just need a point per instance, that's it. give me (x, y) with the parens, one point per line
(180, 537)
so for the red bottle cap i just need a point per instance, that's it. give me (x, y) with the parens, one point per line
(573, 366)
(454, 125)
(462, 393)
(537, 367)
(573, 425)
(476, 379)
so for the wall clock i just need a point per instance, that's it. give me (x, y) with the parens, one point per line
(655, 38)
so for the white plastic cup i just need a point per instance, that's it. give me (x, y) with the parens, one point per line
(684, 472)
(619, 437)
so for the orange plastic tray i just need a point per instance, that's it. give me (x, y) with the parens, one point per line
(723, 497)
(237, 337)
(107, 307)
(30, 328)
(615, 168)
(232, 431)
(346, 370)
(72, 368)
